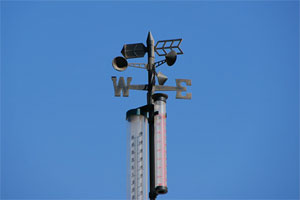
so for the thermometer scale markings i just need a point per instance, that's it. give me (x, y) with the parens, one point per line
(161, 149)
(137, 163)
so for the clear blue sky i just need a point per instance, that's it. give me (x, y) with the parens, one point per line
(63, 133)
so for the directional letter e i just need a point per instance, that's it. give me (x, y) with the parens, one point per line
(121, 86)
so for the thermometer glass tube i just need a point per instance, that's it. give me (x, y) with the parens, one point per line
(160, 143)
(136, 155)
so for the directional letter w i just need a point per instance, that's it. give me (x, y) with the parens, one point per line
(121, 86)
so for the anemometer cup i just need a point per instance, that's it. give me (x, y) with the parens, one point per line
(119, 63)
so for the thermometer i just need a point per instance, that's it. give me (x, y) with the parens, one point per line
(137, 151)
(160, 147)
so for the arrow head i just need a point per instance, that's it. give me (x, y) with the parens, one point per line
(163, 47)
(123, 51)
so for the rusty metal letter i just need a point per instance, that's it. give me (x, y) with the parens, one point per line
(121, 86)
(180, 88)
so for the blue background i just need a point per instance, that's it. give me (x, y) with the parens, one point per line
(63, 133)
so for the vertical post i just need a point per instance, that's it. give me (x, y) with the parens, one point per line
(150, 68)
(151, 84)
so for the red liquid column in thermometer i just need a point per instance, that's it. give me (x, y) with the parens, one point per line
(160, 143)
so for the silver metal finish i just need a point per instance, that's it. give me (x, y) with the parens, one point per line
(138, 65)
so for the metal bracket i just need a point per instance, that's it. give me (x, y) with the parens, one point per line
(159, 63)
(138, 65)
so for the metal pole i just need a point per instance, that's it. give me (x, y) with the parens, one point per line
(151, 84)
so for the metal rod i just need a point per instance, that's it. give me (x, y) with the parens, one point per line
(151, 84)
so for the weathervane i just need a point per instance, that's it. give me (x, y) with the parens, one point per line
(154, 113)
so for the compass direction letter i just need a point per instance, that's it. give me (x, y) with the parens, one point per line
(121, 86)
